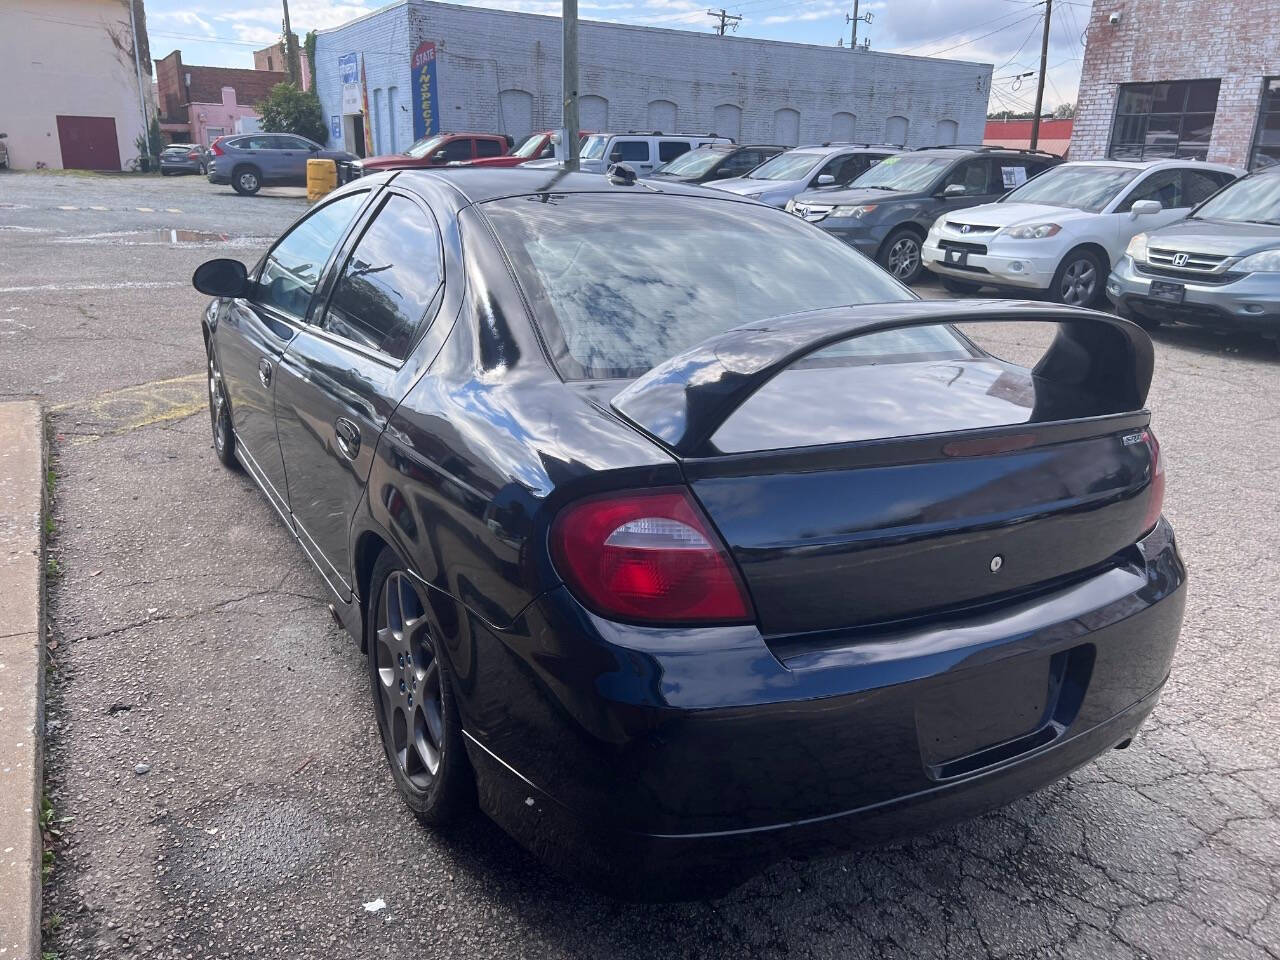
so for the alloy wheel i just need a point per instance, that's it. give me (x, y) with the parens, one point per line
(407, 678)
(248, 182)
(904, 257)
(1079, 283)
(217, 407)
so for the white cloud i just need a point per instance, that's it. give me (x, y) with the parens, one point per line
(803, 16)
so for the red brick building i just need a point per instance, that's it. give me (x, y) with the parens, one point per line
(1181, 78)
(186, 92)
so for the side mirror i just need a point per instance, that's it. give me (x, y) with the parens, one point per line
(1145, 208)
(438, 157)
(826, 180)
(954, 190)
(221, 278)
(3, 135)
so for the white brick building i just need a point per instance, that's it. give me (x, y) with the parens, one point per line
(1166, 78)
(500, 72)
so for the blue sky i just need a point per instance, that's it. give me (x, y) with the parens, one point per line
(1005, 33)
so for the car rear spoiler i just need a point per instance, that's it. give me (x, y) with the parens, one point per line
(1097, 364)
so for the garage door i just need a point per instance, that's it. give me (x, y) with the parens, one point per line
(89, 143)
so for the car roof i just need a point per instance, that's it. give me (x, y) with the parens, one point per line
(1154, 164)
(479, 184)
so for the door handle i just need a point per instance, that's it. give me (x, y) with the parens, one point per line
(348, 435)
(264, 371)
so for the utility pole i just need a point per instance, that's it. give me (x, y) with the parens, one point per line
(137, 65)
(569, 83)
(855, 20)
(726, 20)
(1044, 57)
(291, 48)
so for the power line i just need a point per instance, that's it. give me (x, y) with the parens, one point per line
(984, 23)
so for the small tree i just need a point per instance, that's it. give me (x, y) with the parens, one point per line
(290, 110)
(1064, 111)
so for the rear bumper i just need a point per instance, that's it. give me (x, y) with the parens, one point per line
(672, 764)
(183, 166)
(1251, 303)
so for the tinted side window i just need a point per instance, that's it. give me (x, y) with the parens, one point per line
(974, 175)
(1164, 186)
(630, 151)
(457, 150)
(488, 148)
(740, 163)
(293, 143)
(670, 149)
(1199, 185)
(388, 281)
(257, 142)
(1010, 172)
(292, 270)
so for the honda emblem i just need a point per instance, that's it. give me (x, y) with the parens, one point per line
(965, 228)
(1180, 259)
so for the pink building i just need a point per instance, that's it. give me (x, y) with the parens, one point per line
(212, 120)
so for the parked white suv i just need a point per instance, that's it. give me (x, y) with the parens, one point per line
(1061, 232)
(640, 150)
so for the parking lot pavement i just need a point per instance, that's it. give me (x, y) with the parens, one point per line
(215, 765)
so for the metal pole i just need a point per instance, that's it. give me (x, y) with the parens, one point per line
(569, 83)
(137, 66)
(853, 39)
(1044, 56)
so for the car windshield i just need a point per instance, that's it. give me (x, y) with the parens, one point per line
(593, 149)
(1254, 199)
(692, 164)
(425, 146)
(531, 145)
(1082, 187)
(786, 166)
(902, 173)
(619, 284)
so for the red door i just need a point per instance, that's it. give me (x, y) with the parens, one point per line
(89, 143)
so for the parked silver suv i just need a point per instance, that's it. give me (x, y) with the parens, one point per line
(1220, 267)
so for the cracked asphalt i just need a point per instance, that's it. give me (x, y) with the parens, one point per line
(188, 633)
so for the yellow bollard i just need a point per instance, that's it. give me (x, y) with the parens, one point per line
(322, 177)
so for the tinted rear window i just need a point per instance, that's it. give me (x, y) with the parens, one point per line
(620, 283)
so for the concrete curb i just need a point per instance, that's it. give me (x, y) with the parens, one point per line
(22, 510)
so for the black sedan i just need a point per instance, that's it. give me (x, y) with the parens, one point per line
(716, 161)
(679, 536)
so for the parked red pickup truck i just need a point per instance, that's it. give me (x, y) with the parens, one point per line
(439, 150)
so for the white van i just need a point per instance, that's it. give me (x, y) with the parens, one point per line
(641, 150)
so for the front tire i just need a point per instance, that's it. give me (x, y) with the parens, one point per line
(246, 181)
(224, 438)
(1079, 279)
(900, 255)
(413, 698)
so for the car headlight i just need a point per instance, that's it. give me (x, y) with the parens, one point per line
(1265, 261)
(791, 205)
(857, 212)
(1137, 248)
(1032, 231)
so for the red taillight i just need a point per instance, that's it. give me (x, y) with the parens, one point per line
(193, 155)
(216, 148)
(648, 557)
(1155, 502)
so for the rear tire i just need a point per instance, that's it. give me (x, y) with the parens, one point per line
(959, 286)
(900, 255)
(246, 181)
(1080, 279)
(224, 437)
(413, 698)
